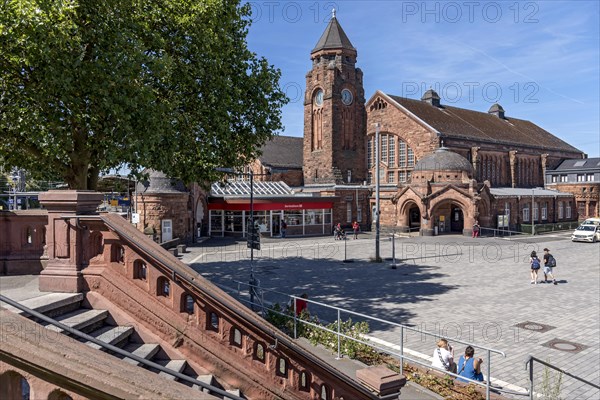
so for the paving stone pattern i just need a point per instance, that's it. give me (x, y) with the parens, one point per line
(475, 290)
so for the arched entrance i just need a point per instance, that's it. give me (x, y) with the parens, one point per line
(414, 218)
(448, 217)
(457, 222)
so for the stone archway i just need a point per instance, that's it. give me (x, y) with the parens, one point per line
(409, 214)
(414, 218)
(449, 217)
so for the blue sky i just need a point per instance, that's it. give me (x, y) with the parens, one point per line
(538, 59)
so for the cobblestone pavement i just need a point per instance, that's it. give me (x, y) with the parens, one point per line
(475, 290)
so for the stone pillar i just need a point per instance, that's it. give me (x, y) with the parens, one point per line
(65, 239)
(544, 163)
(512, 156)
(475, 161)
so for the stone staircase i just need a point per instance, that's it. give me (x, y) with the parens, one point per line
(68, 309)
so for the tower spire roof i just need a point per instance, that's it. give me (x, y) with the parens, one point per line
(334, 37)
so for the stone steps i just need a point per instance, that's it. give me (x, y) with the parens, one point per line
(50, 304)
(114, 335)
(174, 365)
(143, 350)
(67, 309)
(82, 319)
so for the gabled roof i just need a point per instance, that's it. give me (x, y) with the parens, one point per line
(587, 164)
(242, 189)
(283, 152)
(334, 37)
(481, 126)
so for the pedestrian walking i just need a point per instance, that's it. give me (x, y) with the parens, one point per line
(535, 264)
(355, 228)
(549, 264)
(283, 228)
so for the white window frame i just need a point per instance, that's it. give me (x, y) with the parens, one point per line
(392, 151)
(568, 210)
(348, 211)
(589, 177)
(561, 210)
(392, 175)
(526, 213)
(402, 176)
(506, 208)
(384, 148)
(535, 215)
(359, 215)
(544, 211)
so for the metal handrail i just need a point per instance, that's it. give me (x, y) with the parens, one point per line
(486, 384)
(118, 350)
(178, 273)
(530, 361)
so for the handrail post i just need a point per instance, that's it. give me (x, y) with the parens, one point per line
(401, 350)
(531, 378)
(295, 318)
(489, 370)
(339, 356)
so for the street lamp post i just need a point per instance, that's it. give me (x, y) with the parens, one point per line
(15, 179)
(377, 256)
(532, 212)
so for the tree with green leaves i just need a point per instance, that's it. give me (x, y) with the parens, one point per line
(87, 86)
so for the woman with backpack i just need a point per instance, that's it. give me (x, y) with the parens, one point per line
(535, 263)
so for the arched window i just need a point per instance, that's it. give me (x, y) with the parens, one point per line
(59, 395)
(140, 270)
(117, 254)
(304, 381)
(96, 244)
(259, 352)
(236, 337)
(188, 303)
(14, 386)
(163, 287)
(29, 235)
(282, 367)
(213, 321)
(325, 393)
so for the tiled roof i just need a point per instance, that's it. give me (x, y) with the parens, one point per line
(579, 164)
(481, 126)
(442, 159)
(538, 192)
(334, 37)
(242, 189)
(283, 152)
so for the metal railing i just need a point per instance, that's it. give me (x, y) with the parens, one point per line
(529, 363)
(118, 350)
(339, 335)
(494, 232)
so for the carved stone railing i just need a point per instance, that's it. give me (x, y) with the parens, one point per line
(206, 325)
(47, 365)
(22, 241)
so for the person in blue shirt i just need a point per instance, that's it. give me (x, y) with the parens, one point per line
(469, 367)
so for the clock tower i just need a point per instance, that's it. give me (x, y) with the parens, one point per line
(334, 112)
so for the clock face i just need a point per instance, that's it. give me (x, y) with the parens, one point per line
(319, 98)
(347, 97)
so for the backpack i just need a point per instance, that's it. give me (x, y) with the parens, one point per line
(551, 261)
(535, 263)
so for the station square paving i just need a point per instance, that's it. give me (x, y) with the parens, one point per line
(475, 290)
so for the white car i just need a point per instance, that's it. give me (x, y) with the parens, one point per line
(586, 233)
